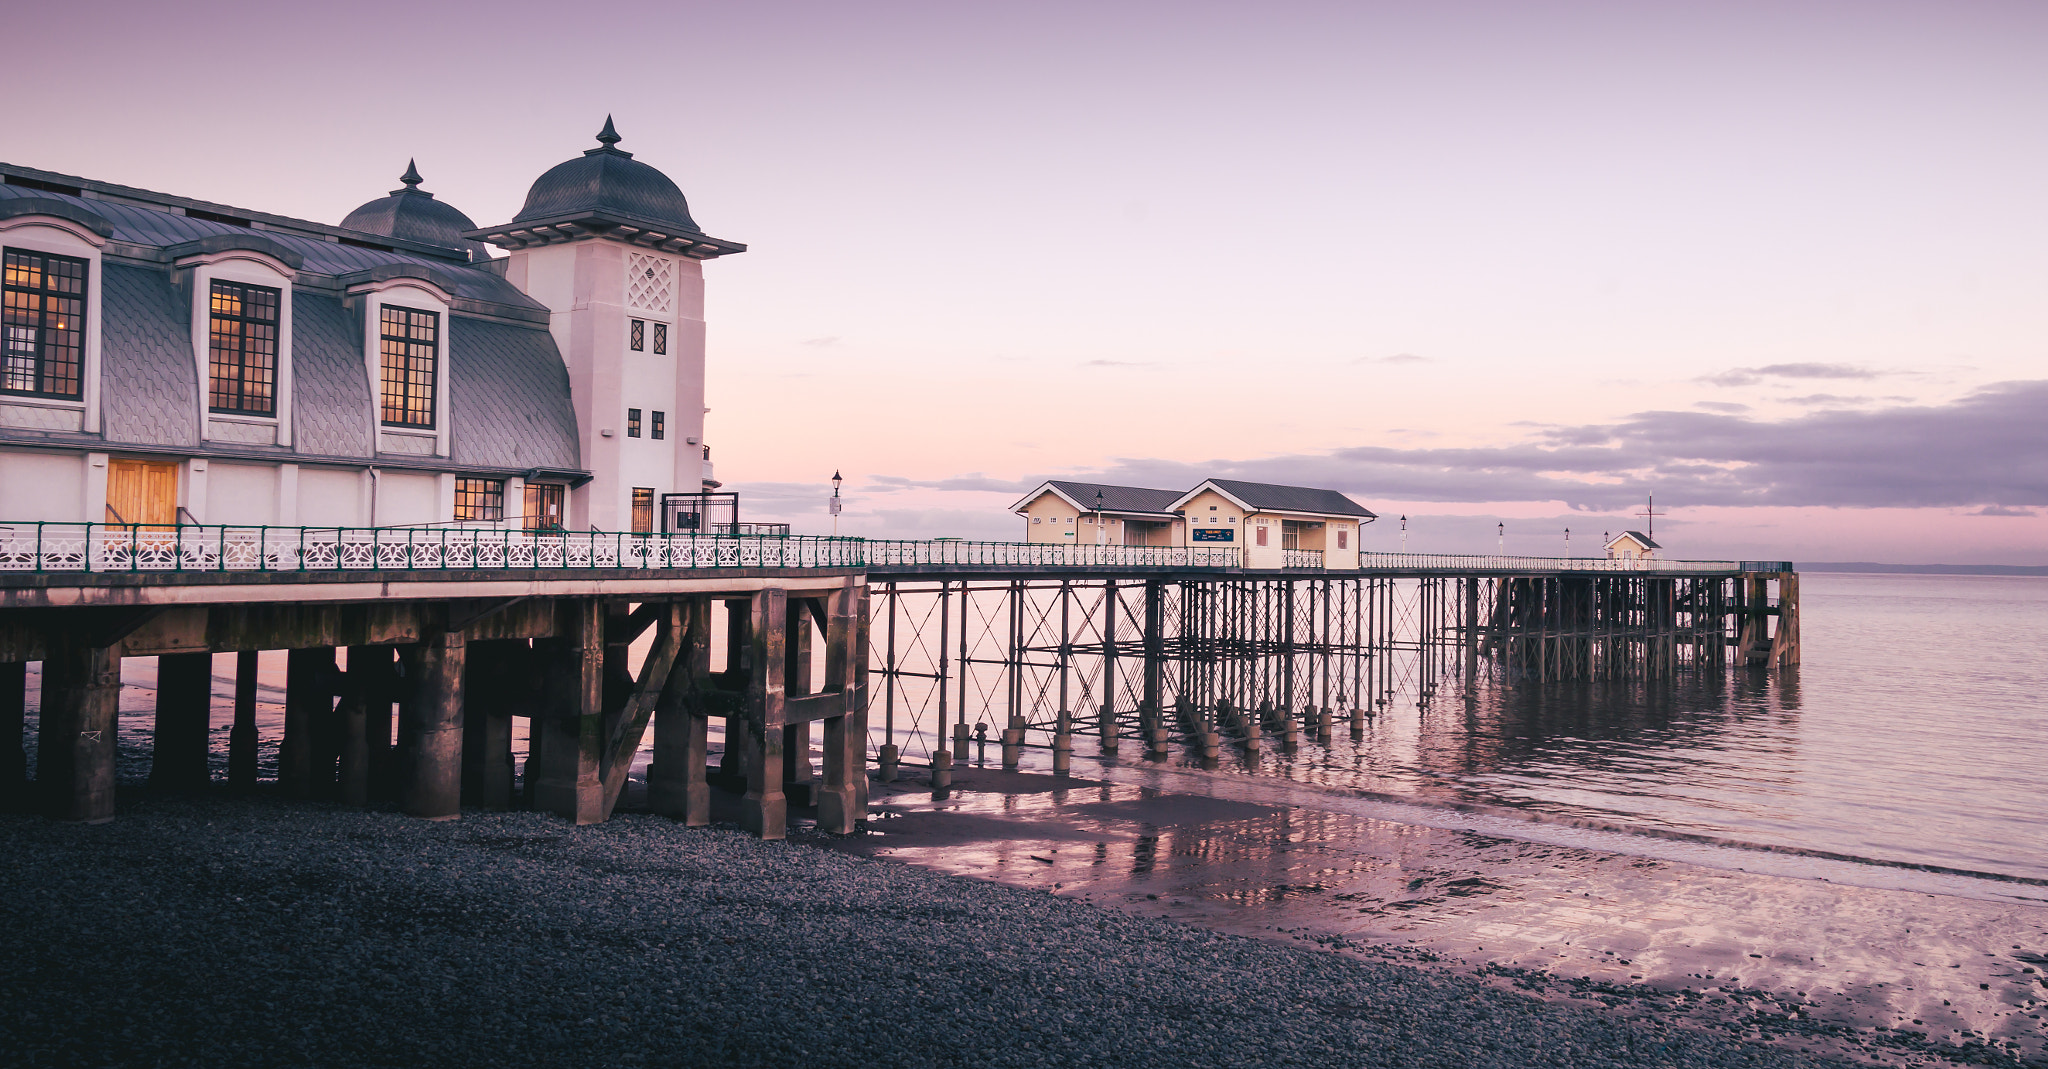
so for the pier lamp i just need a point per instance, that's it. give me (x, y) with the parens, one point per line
(1567, 541)
(1404, 534)
(1502, 530)
(836, 480)
(1101, 532)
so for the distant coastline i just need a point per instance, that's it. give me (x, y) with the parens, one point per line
(1926, 569)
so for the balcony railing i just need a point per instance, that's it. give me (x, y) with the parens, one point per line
(99, 547)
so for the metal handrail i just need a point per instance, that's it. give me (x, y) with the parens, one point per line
(51, 546)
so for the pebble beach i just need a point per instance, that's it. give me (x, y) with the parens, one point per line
(257, 932)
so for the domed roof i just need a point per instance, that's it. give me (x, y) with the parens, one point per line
(608, 181)
(412, 214)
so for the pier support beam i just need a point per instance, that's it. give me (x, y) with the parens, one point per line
(13, 722)
(242, 735)
(496, 675)
(433, 788)
(75, 746)
(308, 694)
(841, 798)
(764, 810)
(676, 779)
(568, 729)
(184, 699)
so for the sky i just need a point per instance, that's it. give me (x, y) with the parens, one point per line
(1503, 268)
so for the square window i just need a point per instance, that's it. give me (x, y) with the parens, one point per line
(479, 499)
(660, 429)
(661, 339)
(638, 341)
(632, 423)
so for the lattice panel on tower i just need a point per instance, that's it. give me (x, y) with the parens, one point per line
(650, 283)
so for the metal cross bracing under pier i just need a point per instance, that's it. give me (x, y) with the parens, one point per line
(963, 661)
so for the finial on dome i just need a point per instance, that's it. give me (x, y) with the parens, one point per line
(608, 136)
(411, 177)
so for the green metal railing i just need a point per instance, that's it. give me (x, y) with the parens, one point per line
(102, 547)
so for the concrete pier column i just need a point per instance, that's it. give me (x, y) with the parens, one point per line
(433, 788)
(493, 677)
(840, 797)
(567, 728)
(353, 763)
(13, 722)
(764, 810)
(1326, 722)
(676, 783)
(75, 746)
(1013, 744)
(308, 691)
(888, 761)
(184, 698)
(942, 769)
(1063, 744)
(242, 734)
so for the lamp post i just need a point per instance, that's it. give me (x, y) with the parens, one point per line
(1404, 534)
(836, 480)
(1501, 529)
(1567, 541)
(1101, 532)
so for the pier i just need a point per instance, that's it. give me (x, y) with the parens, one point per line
(926, 648)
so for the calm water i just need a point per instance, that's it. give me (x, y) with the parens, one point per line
(1916, 731)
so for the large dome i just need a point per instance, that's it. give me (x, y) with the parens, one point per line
(608, 181)
(412, 214)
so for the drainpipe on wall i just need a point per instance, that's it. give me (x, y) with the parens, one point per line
(376, 491)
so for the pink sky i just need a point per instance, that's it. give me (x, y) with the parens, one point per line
(995, 243)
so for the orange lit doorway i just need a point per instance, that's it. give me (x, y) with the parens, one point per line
(142, 492)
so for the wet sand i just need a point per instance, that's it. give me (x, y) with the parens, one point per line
(1884, 973)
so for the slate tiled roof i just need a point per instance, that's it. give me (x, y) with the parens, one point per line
(147, 226)
(1290, 498)
(149, 382)
(1639, 537)
(511, 405)
(330, 386)
(1118, 498)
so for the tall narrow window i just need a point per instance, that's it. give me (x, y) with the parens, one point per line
(45, 326)
(659, 430)
(632, 423)
(639, 336)
(643, 510)
(661, 339)
(480, 499)
(411, 343)
(543, 508)
(243, 351)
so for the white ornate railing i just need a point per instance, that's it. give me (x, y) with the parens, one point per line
(97, 547)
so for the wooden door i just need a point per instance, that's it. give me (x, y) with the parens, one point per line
(142, 491)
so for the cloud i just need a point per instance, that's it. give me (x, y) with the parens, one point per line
(2001, 510)
(1983, 449)
(1721, 406)
(1397, 358)
(1117, 363)
(822, 342)
(1827, 399)
(1750, 376)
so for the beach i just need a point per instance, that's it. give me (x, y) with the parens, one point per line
(260, 932)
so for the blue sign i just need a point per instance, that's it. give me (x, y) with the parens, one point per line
(1213, 534)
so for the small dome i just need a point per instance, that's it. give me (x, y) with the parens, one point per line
(412, 214)
(608, 181)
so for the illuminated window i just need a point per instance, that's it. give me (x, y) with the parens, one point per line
(480, 499)
(1343, 538)
(643, 510)
(639, 341)
(45, 325)
(543, 510)
(242, 353)
(660, 429)
(411, 342)
(632, 423)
